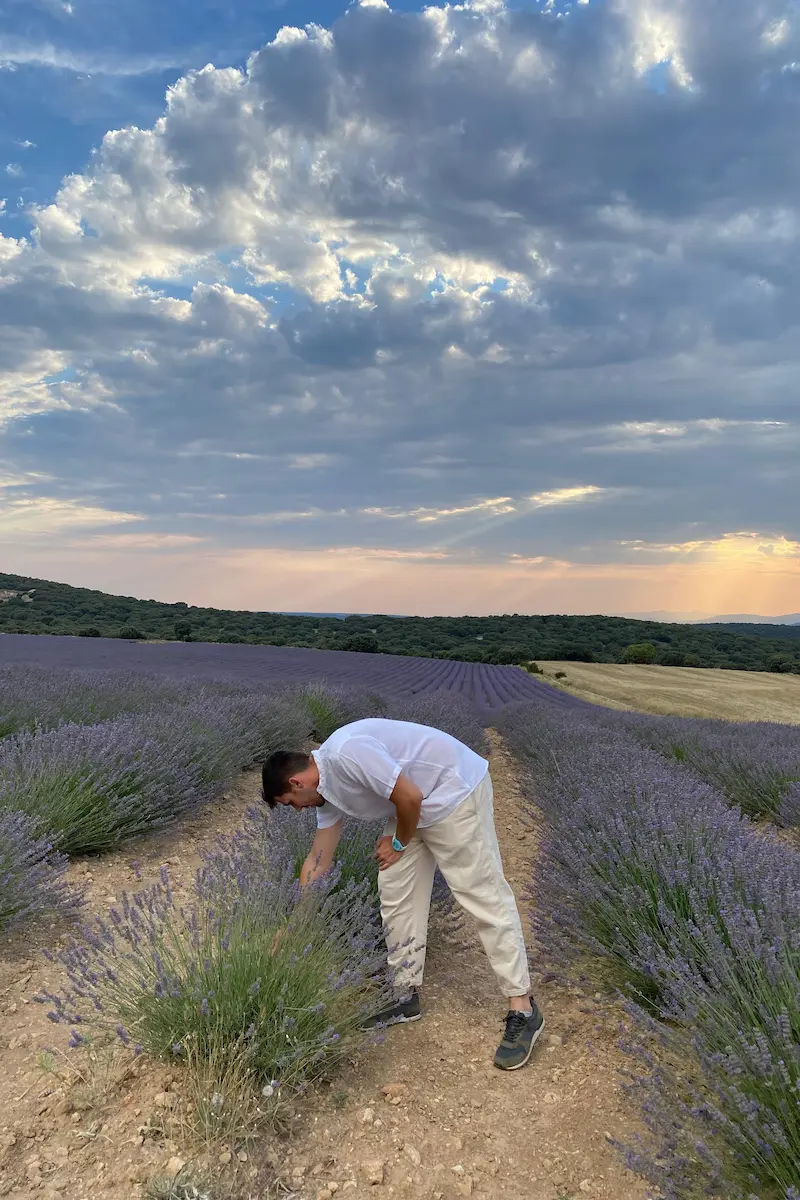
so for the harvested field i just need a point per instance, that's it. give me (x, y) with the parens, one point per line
(682, 691)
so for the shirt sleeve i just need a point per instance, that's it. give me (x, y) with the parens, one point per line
(328, 815)
(366, 762)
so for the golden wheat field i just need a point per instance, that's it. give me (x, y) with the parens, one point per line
(682, 691)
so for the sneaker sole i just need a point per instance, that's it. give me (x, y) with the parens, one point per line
(527, 1057)
(395, 1021)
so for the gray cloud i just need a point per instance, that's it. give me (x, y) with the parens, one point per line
(441, 258)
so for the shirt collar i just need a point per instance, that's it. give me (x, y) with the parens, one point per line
(319, 759)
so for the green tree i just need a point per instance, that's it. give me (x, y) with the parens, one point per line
(92, 631)
(362, 643)
(510, 656)
(183, 631)
(131, 634)
(780, 664)
(640, 652)
(576, 653)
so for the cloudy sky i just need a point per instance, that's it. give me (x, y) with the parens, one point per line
(486, 307)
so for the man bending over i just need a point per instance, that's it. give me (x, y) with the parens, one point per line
(435, 796)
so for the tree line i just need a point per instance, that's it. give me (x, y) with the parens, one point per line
(37, 606)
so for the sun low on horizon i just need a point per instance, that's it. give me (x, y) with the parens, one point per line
(392, 307)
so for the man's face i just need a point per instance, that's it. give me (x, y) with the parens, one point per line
(302, 791)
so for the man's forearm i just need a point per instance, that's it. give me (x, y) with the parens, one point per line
(408, 812)
(313, 868)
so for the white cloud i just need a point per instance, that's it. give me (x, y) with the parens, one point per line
(566, 495)
(425, 514)
(17, 52)
(136, 541)
(24, 517)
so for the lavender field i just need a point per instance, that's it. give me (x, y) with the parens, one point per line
(486, 687)
(668, 874)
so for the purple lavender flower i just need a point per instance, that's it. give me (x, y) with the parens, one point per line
(31, 872)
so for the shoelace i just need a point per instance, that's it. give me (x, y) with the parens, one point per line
(515, 1023)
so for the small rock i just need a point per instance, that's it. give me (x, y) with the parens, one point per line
(413, 1153)
(555, 1039)
(551, 1098)
(585, 1185)
(464, 1186)
(394, 1091)
(162, 1100)
(324, 1194)
(457, 1169)
(374, 1171)
(242, 1156)
(225, 1157)
(175, 1165)
(367, 1116)
(333, 1186)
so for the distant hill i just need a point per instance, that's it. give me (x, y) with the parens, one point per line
(751, 619)
(41, 606)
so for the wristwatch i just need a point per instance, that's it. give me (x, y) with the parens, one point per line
(397, 846)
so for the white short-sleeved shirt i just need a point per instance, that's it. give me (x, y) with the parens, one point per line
(359, 765)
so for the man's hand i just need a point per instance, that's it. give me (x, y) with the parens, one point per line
(385, 856)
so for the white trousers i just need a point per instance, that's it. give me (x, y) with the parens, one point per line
(464, 845)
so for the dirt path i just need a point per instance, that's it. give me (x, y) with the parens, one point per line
(454, 1125)
(451, 1126)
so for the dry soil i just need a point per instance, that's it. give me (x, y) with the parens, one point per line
(682, 691)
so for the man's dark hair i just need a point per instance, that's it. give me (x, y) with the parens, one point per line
(278, 770)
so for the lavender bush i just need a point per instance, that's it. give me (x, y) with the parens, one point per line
(454, 714)
(729, 1124)
(330, 706)
(34, 697)
(354, 860)
(753, 764)
(699, 917)
(216, 978)
(31, 872)
(92, 786)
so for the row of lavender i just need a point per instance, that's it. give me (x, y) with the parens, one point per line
(485, 686)
(756, 765)
(695, 913)
(90, 759)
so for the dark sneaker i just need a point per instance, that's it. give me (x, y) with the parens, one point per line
(404, 1010)
(521, 1035)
